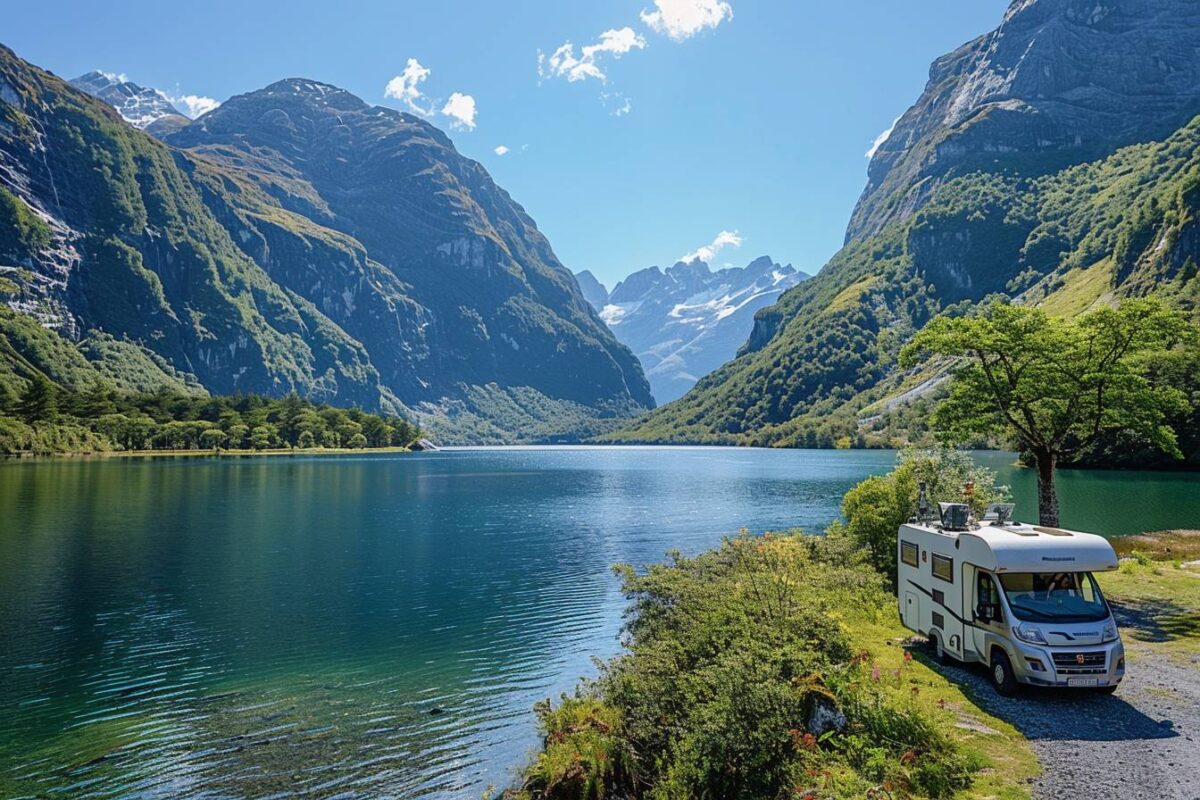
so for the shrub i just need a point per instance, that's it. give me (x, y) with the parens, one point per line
(876, 507)
(733, 658)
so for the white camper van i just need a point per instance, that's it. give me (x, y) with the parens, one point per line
(1017, 598)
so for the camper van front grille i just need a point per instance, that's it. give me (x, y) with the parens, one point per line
(1073, 664)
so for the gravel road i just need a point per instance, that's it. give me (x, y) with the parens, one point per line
(1142, 742)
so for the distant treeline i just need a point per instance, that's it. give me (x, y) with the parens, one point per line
(47, 418)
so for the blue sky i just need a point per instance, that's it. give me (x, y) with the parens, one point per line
(747, 116)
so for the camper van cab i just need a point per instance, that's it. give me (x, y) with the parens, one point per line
(1020, 599)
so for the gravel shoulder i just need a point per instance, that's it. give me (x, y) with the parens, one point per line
(1144, 740)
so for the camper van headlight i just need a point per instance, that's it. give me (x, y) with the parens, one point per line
(1110, 631)
(1030, 633)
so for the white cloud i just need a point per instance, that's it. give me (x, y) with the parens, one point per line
(115, 77)
(881, 138)
(619, 103)
(683, 19)
(563, 63)
(501, 150)
(460, 108)
(405, 87)
(709, 251)
(194, 105)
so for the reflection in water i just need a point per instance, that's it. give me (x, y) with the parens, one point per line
(356, 626)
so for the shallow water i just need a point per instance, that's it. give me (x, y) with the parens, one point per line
(364, 626)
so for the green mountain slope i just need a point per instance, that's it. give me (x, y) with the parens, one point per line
(297, 239)
(824, 356)
(1051, 160)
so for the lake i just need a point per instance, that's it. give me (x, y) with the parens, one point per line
(369, 625)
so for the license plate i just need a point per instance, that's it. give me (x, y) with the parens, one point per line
(1083, 682)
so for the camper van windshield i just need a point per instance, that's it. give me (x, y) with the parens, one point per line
(1054, 596)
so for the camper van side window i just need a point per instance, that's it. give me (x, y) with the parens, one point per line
(942, 567)
(908, 553)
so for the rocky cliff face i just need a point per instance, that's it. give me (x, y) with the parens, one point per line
(593, 291)
(298, 239)
(1059, 82)
(444, 277)
(685, 321)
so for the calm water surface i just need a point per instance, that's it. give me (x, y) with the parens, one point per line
(367, 626)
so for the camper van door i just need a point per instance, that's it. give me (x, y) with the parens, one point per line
(987, 611)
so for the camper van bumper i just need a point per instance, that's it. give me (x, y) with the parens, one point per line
(1102, 665)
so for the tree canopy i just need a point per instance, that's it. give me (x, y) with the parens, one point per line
(1054, 386)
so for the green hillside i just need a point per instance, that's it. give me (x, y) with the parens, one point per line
(824, 356)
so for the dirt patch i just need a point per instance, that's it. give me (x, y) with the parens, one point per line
(1162, 546)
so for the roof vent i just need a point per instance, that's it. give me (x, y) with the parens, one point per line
(955, 516)
(999, 513)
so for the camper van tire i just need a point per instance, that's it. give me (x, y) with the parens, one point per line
(1002, 673)
(939, 652)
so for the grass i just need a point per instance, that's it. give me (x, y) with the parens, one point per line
(1158, 606)
(1008, 759)
(1162, 546)
(1081, 290)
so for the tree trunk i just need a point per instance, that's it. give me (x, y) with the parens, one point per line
(1047, 496)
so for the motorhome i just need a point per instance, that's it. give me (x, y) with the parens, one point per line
(1020, 599)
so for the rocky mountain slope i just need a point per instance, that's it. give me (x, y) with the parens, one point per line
(997, 181)
(298, 239)
(140, 106)
(1059, 82)
(687, 320)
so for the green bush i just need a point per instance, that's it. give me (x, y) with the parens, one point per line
(730, 657)
(877, 507)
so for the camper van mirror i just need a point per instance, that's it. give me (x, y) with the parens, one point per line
(999, 513)
(955, 516)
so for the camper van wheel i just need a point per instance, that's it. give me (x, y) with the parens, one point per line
(1002, 674)
(939, 652)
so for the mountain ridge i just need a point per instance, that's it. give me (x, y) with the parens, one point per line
(247, 258)
(687, 320)
(1063, 227)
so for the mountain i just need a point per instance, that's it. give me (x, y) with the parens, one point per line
(1067, 190)
(1060, 82)
(297, 239)
(593, 290)
(685, 321)
(141, 107)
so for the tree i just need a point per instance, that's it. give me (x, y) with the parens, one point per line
(96, 401)
(877, 507)
(213, 438)
(1054, 386)
(39, 401)
(262, 437)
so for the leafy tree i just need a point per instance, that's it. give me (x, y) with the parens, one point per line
(95, 401)
(262, 437)
(306, 440)
(1055, 386)
(39, 401)
(357, 441)
(877, 507)
(213, 438)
